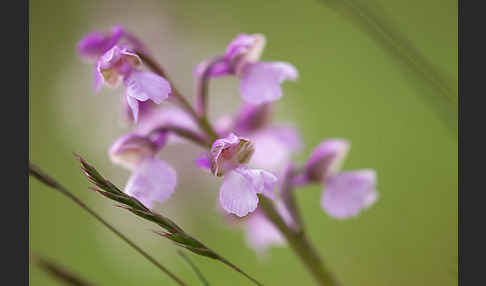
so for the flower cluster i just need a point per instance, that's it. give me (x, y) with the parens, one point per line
(248, 150)
(117, 62)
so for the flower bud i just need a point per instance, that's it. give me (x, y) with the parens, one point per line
(244, 49)
(326, 159)
(229, 152)
(130, 149)
(252, 117)
(116, 64)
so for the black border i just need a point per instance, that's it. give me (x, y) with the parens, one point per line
(14, 118)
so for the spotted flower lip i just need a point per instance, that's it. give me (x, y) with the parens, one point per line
(229, 152)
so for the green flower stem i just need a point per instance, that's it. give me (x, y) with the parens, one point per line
(299, 243)
(46, 179)
(193, 266)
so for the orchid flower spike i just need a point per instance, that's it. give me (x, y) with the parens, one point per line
(119, 65)
(238, 192)
(346, 193)
(152, 180)
(259, 81)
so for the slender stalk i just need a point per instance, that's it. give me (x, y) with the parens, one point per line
(194, 268)
(185, 133)
(299, 243)
(172, 230)
(58, 272)
(201, 121)
(202, 86)
(46, 179)
(237, 269)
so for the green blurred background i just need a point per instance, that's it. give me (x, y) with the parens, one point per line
(348, 87)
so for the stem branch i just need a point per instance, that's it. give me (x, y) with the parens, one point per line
(298, 241)
(46, 179)
(200, 120)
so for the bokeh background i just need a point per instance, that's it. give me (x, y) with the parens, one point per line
(349, 87)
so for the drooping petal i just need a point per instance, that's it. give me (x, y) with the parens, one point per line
(346, 194)
(326, 159)
(152, 181)
(144, 85)
(269, 183)
(145, 108)
(134, 107)
(237, 194)
(131, 149)
(261, 233)
(97, 80)
(260, 82)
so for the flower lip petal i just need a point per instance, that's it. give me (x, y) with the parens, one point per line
(348, 193)
(260, 82)
(144, 85)
(237, 194)
(152, 181)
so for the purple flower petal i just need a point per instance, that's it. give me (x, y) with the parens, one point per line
(260, 82)
(144, 85)
(274, 147)
(96, 44)
(261, 233)
(326, 159)
(252, 117)
(229, 152)
(131, 149)
(221, 68)
(134, 107)
(203, 161)
(116, 64)
(238, 193)
(245, 47)
(152, 181)
(145, 108)
(348, 193)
